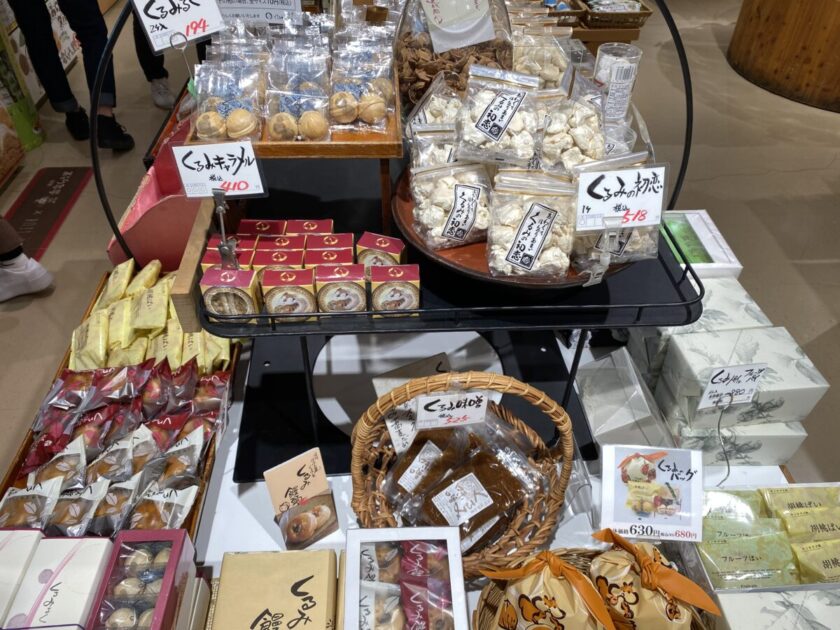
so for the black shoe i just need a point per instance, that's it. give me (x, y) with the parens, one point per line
(112, 135)
(78, 124)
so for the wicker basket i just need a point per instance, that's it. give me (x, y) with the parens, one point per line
(605, 19)
(492, 594)
(569, 17)
(532, 526)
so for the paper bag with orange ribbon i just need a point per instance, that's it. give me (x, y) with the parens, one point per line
(640, 588)
(547, 593)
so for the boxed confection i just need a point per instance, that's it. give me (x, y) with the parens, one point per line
(148, 582)
(340, 288)
(395, 288)
(276, 589)
(404, 578)
(213, 258)
(329, 241)
(769, 444)
(374, 250)
(618, 405)
(230, 292)
(726, 306)
(706, 250)
(17, 547)
(276, 259)
(289, 291)
(297, 241)
(309, 226)
(260, 227)
(779, 610)
(242, 243)
(315, 257)
(59, 587)
(787, 392)
(201, 602)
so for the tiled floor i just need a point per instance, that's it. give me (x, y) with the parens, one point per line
(766, 168)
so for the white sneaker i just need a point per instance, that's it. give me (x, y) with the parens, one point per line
(21, 276)
(161, 94)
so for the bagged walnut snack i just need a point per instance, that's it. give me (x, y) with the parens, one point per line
(537, 51)
(440, 105)
(572, 132)
(113, 509)
(74, 510)
(68, 465)
(433, 145)
(640, 588)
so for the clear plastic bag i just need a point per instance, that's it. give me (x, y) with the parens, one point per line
(112, 511)
(68, 465)
(531, 227)
(573, 133)
(297, 95)
(124, 420)
(433, 145)
(440, 105)
(380, 562)
(498, 122)
(74, 510)
(451, 204)
(228, 95)
(429, 599)
(362, 94)
(182, 461)
(29, 507)
(537, 51)
(113, 464)
(162, 508)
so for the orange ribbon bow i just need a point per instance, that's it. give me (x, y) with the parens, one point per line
(656, 576)
(652, 457)
(559, 568)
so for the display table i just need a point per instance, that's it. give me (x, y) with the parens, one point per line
(790, 48)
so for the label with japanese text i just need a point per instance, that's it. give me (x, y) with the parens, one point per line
(635, 195)
(732, 385)
(619, 90)
(498, 114)
(231, 166)
(415, 473)
(462, 215)
(531, 236)
(462, 500)
(368, 564)
(401, 426)
(451, 410)
(171, 22)
(258, 10)
(653, 493)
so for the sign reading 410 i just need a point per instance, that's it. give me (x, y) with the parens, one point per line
(171, 22)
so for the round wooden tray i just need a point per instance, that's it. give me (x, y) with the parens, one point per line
(471, 260)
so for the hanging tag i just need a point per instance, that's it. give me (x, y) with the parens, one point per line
(451, 410)
(161, 19)
(733, 385)
(635, 195)
(231, 166)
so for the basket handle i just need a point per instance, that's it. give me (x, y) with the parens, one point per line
(364, 431)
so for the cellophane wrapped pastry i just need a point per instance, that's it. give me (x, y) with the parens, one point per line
(537, 51)
(451, 204)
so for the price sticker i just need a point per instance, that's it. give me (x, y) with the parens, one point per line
(168, 21)
(636, 195)
(451, 410)
(231, 166)
(732, 385)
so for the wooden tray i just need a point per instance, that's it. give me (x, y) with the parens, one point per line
(607, 19)
(471, 260)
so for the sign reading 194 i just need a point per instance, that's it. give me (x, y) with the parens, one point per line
(170, 22)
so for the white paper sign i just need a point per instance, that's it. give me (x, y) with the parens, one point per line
(231, 166)
(635, 195)
(732, 385)
(163, 19)
(258, 10)
(653, 493)
(457, 24)
(451, 410)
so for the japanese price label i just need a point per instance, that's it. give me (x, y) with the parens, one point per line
(732, 385)
(498, 114)
(462, 500)
(230, 166)
(258, 10)
(462, 216)
(448, 410)
(191, 19)
(530, 238)
(635, 194)
(653, 493)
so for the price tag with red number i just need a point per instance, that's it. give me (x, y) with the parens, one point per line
(438, 411)
(635, 195)
(170, 22)
(231, 166)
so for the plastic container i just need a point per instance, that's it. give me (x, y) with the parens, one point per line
(616, 68)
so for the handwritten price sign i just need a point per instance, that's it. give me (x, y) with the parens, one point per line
(230, 166)
(732, 385)
(448, 410)
(169, 22)
(635, 195)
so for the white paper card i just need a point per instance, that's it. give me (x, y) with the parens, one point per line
(462, 500)
(732, 385)
(415, 473)
(258, 10)
(450, 410)
(653, 493)
(635, 195)
(169, 22)
(458, 23)
(231, 166)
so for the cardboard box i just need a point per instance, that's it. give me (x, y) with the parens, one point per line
(137, 554)
(258, 227)
(212, 258)
(618, 405)
(242, 242)
(787, 392)
(707, 251)
(17, 546)
(59, 587)
(201, 604)
(276, 260)
(340, 288)
(228, 292)
(272, 243)
(274, 589)
(288, 292)
(329, 241)
(315, 257)
(395, 288)
(309, 226)
(781, 610)
(376, 250)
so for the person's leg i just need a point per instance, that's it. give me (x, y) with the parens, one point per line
(19, 274)
(153, 68)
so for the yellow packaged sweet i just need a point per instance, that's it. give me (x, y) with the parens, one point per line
(149, 310)
(750, 561)
(90, 342)
(222, 359)
(722, 530)
(133, 355)
(120, 332)
(145, 279)
(818, 561)
(116, 285)
(174, 346)
(739, 505)
(781, 501)
(813, 524)
(195, 348)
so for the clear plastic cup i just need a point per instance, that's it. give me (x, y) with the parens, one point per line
(620, 139)
(616, 68)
